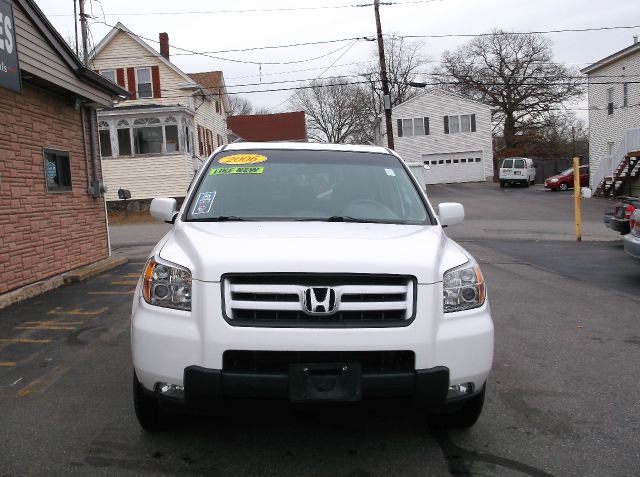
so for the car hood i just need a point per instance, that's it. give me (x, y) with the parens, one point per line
(211, 249)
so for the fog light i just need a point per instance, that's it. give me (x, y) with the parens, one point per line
(459, 390)
(170, 390)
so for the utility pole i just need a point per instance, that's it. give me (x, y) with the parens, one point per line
(75, 24)
(83, 29)
(386, 98)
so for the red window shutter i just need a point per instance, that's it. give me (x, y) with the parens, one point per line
(120, 77)
(131, 79)
(155, 80)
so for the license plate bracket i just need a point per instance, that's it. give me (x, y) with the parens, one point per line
(325, 382)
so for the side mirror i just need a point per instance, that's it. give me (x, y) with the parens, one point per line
(450, 213)
(164, 209)
(585, 193)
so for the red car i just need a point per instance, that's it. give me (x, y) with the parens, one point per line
(564, 180)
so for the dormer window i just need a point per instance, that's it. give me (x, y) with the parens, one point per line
(143, 83)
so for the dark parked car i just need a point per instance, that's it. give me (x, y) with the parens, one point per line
(620, 219)
(564, 180)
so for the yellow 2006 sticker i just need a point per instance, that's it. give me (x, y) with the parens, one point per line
(217, 171)
(243, 159)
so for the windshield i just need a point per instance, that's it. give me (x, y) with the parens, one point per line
(307, 185)
(567, 172)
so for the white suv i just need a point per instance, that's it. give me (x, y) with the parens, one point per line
(309, 273)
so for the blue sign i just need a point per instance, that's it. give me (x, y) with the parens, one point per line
(52, 170)
(9, 71)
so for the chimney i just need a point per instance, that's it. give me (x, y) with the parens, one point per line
(635, 39)
(164, 45)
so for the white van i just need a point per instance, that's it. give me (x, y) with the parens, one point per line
(517, 170)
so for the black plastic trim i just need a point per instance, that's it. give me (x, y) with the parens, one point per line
(206, 388)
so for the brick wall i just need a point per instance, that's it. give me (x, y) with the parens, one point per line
(42, 233)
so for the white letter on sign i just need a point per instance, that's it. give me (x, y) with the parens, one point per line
(9, 38)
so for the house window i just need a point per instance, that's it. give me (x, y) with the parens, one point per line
(625, 94)
(147, 137)
(110, 75)
(610, 101)
(124, 137)
(463, 123)
(217, 106)
(407, 127)
(143, 78)
(57, 170)
(105, 139)
(413, 127)
(172, 139)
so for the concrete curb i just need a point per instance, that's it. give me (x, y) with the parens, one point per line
(79, 274)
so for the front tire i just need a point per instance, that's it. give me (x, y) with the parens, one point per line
(464, 417)
(150, 416)
(563, 187)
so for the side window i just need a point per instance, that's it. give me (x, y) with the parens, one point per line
(57, 170)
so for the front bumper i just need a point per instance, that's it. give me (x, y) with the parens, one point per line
(552, 185)
(620, 225)
(165, 343)
(632, 245)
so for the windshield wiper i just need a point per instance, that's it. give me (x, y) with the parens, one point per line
(221, 218)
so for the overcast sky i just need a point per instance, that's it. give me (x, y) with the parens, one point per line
(201, 25)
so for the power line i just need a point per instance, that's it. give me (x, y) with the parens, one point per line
(538, 32)
(256, 10)
(232, 59)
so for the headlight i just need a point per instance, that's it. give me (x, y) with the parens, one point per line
(166, 284)
(463, 288)
(553, 180)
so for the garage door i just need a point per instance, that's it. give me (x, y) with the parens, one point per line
(454, 167)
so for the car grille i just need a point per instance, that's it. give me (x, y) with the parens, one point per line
(279, 361)
(350, 300)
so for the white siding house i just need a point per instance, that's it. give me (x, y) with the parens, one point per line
(154, 143)
(614, 113)
(450, 133)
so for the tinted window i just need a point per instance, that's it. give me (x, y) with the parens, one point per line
(518, 164)
(507, 163)
(307, 185)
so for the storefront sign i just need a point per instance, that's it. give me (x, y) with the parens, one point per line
(9, 71)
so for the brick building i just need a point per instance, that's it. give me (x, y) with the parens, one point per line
(52, 208)
(269, 127)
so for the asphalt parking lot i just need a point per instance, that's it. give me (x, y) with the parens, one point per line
(562, 398)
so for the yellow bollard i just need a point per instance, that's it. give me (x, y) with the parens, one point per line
(576, 195)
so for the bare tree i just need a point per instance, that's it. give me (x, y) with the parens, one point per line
(334, 111)
(513, 73)
(239, 106)
(404, 59)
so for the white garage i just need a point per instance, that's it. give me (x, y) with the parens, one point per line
(451, 133)
(454, 167)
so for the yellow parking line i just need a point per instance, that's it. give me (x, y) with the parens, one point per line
(131, 292)
(77, 311)
(23, 341)
(40, 384)
(132, 275)
(126, 282)
(54, 323)
(7, 364)
(41, 327)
